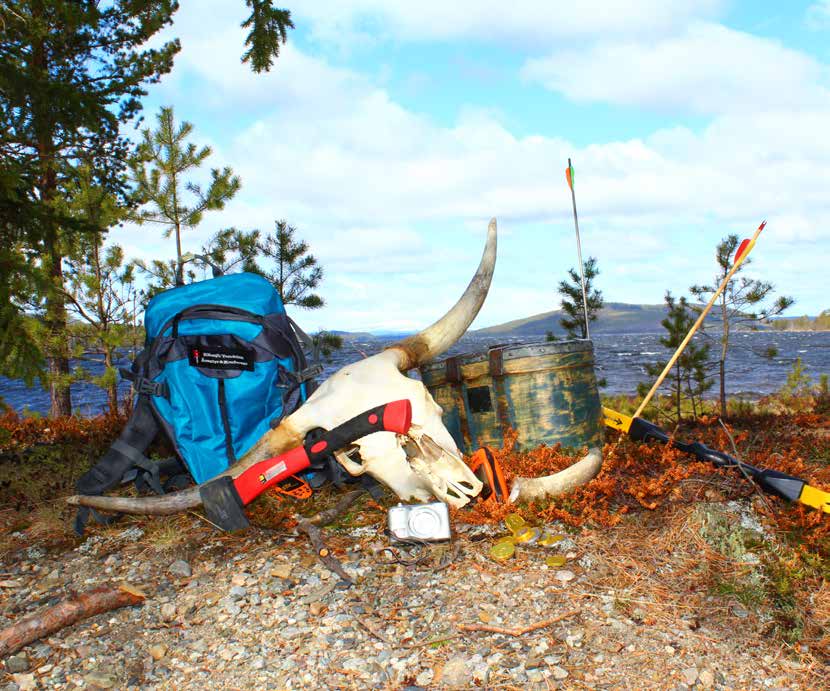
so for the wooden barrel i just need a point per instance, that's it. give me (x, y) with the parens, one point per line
(547, 392)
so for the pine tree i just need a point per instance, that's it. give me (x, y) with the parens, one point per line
(99, 287)
(689, 378)
(232, 250)
(268, 29)
(297, 273)
(159, 171)
(741, 303)
(571, 291)
(71, 74)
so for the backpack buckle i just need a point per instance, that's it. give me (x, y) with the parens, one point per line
(149, 387)
(309, 373)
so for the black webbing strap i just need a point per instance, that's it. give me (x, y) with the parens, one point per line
(315, 368)
(147, 474)
(125, 453)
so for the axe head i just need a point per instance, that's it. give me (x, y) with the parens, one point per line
(222, 504)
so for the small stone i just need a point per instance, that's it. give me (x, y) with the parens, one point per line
(168, 611)
(575, 639)
(739, 612)
(157, 651)
(25, 682)
(238, 579)
(238, 592)
(17, 663)
(281, 571)
(706, 679)
(564, 576)
(316, 608)
(689, 675)
(535, 676)
(558, 673)
(669, 650)
(180, 568)
(100, 680)
(258, 663)
(424, 678)
(455, 674)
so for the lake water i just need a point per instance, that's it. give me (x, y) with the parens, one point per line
(621, 361)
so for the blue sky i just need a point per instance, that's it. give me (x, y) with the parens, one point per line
(389, 132)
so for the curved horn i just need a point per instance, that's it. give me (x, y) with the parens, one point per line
(287, 435)
(434, 340)
(573, 476)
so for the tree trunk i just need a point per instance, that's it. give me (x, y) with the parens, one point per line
(112, 387)
(57, 351)
(179, 267)
(723, 351)
(677, 392)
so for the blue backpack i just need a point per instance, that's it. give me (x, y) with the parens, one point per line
(222, 364)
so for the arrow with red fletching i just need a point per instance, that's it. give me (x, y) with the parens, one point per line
(747, 244)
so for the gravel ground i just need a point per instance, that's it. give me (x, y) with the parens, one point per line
(257, 611)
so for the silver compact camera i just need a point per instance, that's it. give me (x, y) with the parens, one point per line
(420, 522)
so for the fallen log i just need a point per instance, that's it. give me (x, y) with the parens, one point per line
(88, 604)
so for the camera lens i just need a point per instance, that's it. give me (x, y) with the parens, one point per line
(424, 523)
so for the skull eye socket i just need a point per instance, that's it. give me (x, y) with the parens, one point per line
(410, 448)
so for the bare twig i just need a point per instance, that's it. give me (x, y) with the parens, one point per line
(742, 469)
(312, 528)
(518, 631)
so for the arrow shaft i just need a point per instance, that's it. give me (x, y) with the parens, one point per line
(579, 256)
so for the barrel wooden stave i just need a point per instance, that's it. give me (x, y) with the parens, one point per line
(547, 392)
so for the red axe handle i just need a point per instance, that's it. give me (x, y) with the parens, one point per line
(390, 417)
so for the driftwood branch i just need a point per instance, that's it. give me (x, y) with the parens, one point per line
(313, 528)
(66, 613)
(518, 631)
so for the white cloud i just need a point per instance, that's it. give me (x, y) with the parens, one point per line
(395, 204)
(708, 69)
(521, 22)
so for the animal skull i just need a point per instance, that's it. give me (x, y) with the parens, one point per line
(423, 463)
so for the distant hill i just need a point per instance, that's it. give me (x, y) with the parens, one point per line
(615, 317)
